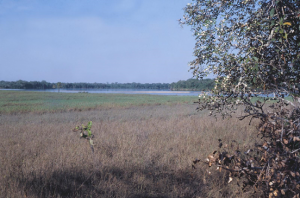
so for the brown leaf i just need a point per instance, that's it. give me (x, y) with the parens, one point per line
(292, 174)
(211, 158)
(270, 195)
(296, 139)
(275, 193)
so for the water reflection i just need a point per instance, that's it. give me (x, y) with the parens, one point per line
(117, 91)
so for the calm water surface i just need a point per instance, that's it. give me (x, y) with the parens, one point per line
(117, 91)
(126, 91)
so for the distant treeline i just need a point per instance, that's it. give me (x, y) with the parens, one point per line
(193, 84)
(190, 84)
(21, 84)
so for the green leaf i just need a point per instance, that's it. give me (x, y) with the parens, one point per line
(255, 58)
(272, 23)
(272, 12)
(89, 133)
(254, 79)
(281, 21)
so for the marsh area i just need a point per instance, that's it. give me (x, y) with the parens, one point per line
(144, 146)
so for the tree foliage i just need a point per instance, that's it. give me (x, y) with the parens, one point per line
(190, 84)
(21, 84)
(246, 43)
(253, 45)
(193, 84)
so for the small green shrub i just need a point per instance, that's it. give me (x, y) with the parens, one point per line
(86, 133)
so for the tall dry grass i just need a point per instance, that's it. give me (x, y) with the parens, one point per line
(144, 151)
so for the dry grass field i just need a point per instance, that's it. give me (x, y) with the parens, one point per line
(140, 151)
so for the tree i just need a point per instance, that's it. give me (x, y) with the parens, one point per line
(253, 45)
(58, 85)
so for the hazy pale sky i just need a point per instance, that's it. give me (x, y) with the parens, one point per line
(94, 41)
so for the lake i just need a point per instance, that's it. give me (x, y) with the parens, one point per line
(128, 91)
(117, 91)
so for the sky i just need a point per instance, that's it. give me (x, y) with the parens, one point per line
(94, 41)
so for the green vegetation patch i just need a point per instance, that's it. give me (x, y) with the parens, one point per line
(12, 102)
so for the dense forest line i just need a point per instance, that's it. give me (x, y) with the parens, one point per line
(193, 84)
(190, 84)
